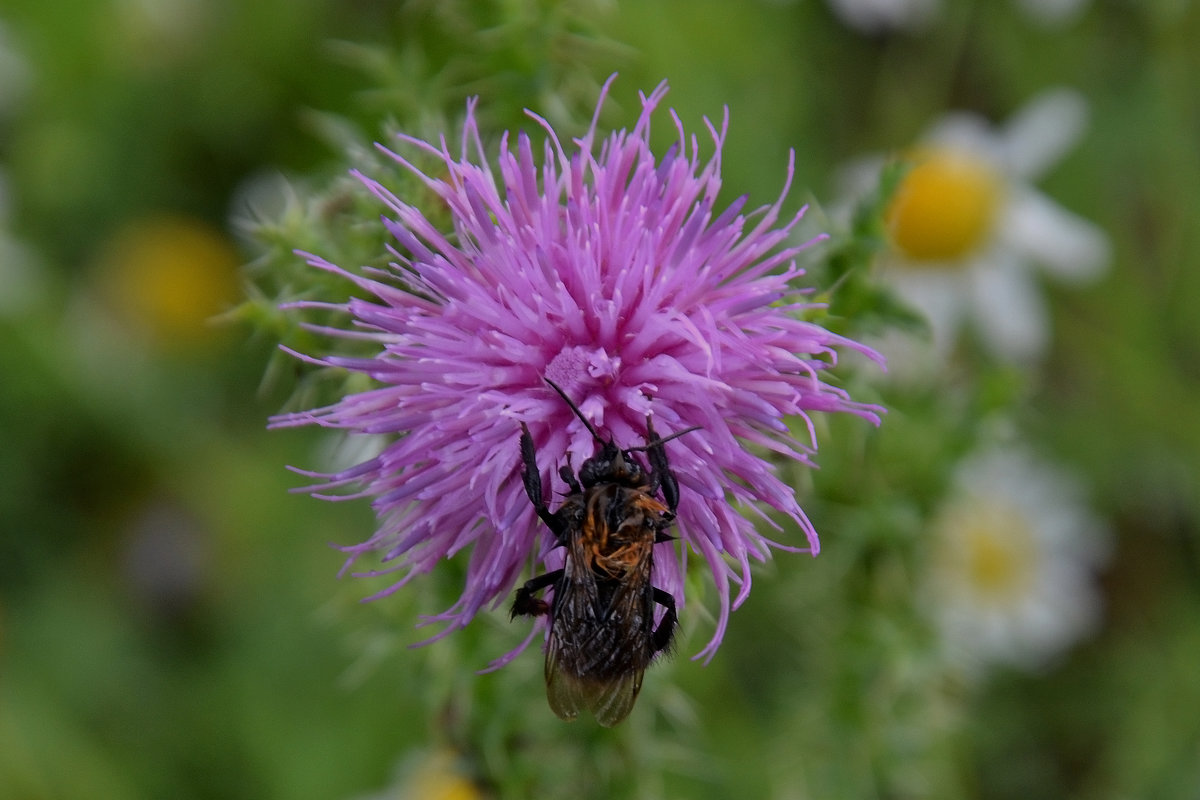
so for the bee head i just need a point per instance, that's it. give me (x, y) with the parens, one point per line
(612, 465)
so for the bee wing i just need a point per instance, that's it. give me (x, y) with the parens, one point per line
(612, 699)
(612, 664)
(565, 692)
(570, 635)
(609, 699)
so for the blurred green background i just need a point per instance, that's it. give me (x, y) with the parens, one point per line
(171, 623)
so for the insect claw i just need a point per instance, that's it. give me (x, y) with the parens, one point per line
(525, 604)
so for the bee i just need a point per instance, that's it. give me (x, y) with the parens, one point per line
(602, 631)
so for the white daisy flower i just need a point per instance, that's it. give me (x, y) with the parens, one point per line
(969, 232)
(880, 16)
(1011, 570)
(1052, 13)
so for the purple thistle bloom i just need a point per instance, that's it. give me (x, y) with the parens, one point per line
(607, 271)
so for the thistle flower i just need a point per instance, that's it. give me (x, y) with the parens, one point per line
(612, 273)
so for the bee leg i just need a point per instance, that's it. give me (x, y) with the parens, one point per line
(665, 632)
(567, 473)
(661, 476)
(533, 486)
(525, 604)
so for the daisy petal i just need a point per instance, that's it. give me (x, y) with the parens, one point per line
(1010, 311)
(1043, 131)
(1069, 247)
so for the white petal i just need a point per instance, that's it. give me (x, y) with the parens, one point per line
(1052, 13)
(873, 16)
(910, 356)
(854, 181)
(968, 133)
(1042, 132)
(1010, 311)
(941, 297)
(1070, 247)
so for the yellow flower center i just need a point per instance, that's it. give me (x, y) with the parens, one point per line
(945, 207)
(172, 275)
(991, 548)
(446, 787)
(438, 779)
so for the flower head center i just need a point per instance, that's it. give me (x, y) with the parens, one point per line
(575, 368)
(945, 206)
(992, 548)
(171, 275)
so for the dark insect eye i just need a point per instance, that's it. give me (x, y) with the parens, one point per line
(594, 470)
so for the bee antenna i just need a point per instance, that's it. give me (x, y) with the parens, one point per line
(575, 408)
(664, 439)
